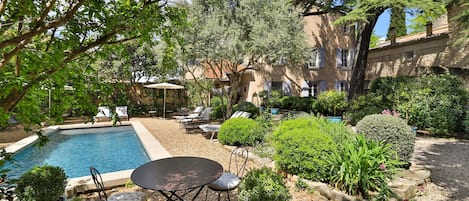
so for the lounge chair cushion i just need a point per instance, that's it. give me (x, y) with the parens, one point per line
(227, 181)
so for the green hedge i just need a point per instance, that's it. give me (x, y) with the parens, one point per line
(436, 102)
(303, 145)
(247, 107)
(240, 132)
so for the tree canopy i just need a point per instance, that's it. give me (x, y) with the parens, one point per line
(365, 13)
(48, 44)
(234, 36)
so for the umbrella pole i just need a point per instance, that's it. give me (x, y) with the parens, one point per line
(164, 103)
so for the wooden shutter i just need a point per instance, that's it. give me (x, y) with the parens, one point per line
(268, 86)
(304, 89)
(321, 57)
(322, 86)
(350, 57)
(286, 87)
(338, 57)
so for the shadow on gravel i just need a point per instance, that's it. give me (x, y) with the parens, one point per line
(448, 161)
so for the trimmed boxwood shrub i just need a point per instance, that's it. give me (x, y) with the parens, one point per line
(263, 185)
(303, 145)
(390, 130)
(239, 132)
(247, 107)
(41, 183)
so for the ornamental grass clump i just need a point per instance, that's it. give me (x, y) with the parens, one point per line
(240, 132)
(391, 130)
(302, 146)
(263, 185)
(363, 166)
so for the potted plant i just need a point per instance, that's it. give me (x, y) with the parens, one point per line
(274, 101)
(331, 104)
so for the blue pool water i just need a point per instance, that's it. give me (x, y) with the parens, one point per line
(107, 149)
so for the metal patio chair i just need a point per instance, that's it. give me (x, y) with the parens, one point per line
(231, 179)
(121, 196)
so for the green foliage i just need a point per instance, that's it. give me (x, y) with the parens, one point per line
(297, 103)
(64, 51)
(302, 146)
(374, 40)
(274, 99)
(466, 123)
(331, 103)
(263, 185)
(247, 107)
(434, 102)
(362, 166)
(239, 131)
(389, 130)
(198, 92)
(41, 183)
(363, 105)
(218, 111)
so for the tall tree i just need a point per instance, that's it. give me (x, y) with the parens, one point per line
(397, 22)
(233, 36)
(42, 41)
(365, 13)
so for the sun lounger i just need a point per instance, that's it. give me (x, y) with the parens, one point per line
(213, 129)
(121, 112)
(103, 114)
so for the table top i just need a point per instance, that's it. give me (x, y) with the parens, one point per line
(176, 173)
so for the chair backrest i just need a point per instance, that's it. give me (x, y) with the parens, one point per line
(236, 114)
(98, 181)
(238, 160)
(205, 114)
(198, 109)
(104, 111)
(245, 114)
(121, 111)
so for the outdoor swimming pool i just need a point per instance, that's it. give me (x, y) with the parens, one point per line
(108, 149)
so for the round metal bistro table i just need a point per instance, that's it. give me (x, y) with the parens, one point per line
(177, 174)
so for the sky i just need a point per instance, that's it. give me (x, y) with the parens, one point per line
(382, 25)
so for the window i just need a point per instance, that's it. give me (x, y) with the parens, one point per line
(276, 86)
(315, 58)
(344, 58)
(342, 85)
(312, 88)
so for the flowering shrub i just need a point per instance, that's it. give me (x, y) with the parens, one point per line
(263, 184)
(391, 112)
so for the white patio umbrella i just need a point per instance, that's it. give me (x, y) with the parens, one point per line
(164, 86)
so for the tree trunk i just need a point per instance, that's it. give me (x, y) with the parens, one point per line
(357, 80)
(11, 100)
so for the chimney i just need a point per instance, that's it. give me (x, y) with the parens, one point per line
(429, 27)
(392, 35)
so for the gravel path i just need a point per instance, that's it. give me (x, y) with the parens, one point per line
(448, 160)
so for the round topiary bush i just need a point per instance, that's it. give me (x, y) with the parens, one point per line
(390, 130)
(41, 183)
(239, 131)
(263, 185)
(304, 152)
(247, 107)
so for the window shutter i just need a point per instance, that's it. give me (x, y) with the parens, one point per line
(321, 57)
(350, 57)
(268, 86)
(322, 86)
(337, 85)
(304, 89)
(286, 87)
(338, 57)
